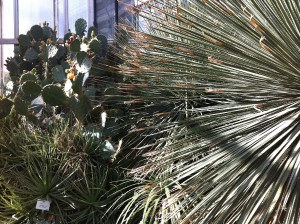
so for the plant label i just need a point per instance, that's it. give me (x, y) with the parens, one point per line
(42, 205)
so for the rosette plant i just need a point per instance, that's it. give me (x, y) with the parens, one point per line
(214, 89)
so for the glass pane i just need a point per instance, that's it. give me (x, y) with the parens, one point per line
(77, 10)
(34, 12)
(105, 15)
(61, 20)
(7, 19)
(7, 51)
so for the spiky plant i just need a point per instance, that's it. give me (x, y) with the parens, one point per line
(217, 84)
(68, 166)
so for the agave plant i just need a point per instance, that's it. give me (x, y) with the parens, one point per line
(214, 94)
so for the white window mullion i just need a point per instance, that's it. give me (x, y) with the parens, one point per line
(16, 15)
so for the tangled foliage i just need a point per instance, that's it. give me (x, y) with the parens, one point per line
(217, 121)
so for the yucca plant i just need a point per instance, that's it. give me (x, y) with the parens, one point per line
(213, 89)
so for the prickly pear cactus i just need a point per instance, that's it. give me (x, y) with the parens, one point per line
(95, 46)
(24, 40)
(48, 32)
(21, 106)
(28, 76)
(80, 27)
(54, 95)
(31, 89)
(37, 32)
(5, 107)
(31, 54)
(80, 107)
(92, 32)
(58, 73)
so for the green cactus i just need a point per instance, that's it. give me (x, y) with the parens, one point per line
(77, 84)
(31, 89)
(5, 107)
(80, 107)
(80, 56)
(48, 32)
(31, 54)
(92, 32)
(75, 46)
(24, 40)
(54, 95)
(80, 27)
(61, 52)
(37, 32)
(103, 40)
(58, 74)
(95, 46)
(12, 66)
(21, 106)
(29, 76)
(67, 36)
(25, 66)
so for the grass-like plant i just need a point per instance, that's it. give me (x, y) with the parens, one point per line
(214, 89)
(65, 165)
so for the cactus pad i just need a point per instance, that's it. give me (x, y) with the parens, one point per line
(21, 106)
(92, 32)
(37, 32)
(95, 46)
(24, 40)
(54, 95)
(31, 89)
(29, 76)
(80, 57)
(5, 107)
(58, 73)
(80, 27)
(75, 46)
(30, 54)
